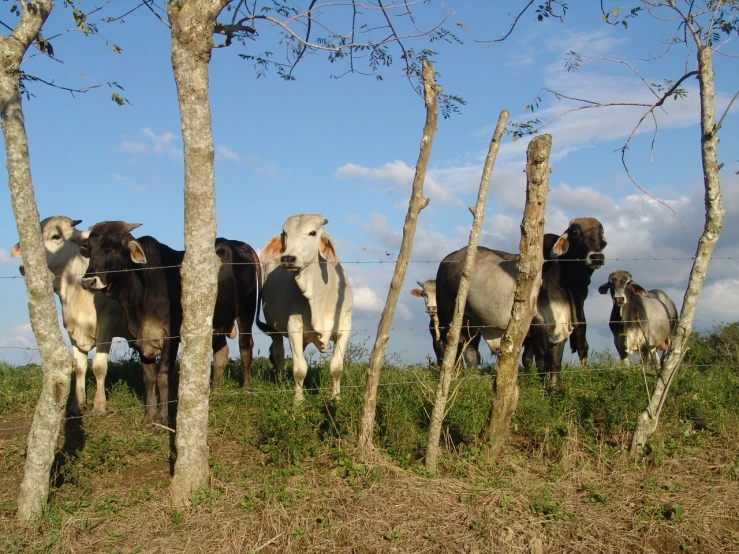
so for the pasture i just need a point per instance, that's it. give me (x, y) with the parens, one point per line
(283, 479)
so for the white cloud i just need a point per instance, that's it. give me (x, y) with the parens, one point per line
(367, 300)
(154, 144)
(227, 154)
(6, 259)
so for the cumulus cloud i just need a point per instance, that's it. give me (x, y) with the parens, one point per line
(153, 144)
(367, 300)
(227, 154)
(6, 259)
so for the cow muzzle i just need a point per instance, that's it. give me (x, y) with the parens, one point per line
(289, 262)
(595, 259)
(619, 300)
(431, 310)
(93, 283)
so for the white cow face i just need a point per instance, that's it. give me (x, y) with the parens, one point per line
(428, 293)
(60, 242)
(302, 242)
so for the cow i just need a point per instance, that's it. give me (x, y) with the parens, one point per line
(569, 262)
(90, 318)
(239, 284)
(641, 321)
(467, 340)
(143, 275)
(306, 296)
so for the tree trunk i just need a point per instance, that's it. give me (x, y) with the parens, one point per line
(193, 23)
(528, 283)
(57, 363)
(649, 418)
(452, 340)
(365, 447)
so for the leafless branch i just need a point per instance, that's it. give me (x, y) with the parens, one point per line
(720, 121)
(510, 30)
(307, 36)
(71, 90)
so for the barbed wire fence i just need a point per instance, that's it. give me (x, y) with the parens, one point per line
(615, 367)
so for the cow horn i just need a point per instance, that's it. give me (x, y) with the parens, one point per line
(420, 284)
(132, 226)
(325, 221)
(76, 222)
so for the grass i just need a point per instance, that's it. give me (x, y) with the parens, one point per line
(286, 480)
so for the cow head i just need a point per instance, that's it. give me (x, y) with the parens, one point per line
(428, 293)
(303, 242)
(583, 240)
(111, 249)
(61, 243)
(619, 284)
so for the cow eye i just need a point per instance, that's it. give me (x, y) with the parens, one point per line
(312, 234)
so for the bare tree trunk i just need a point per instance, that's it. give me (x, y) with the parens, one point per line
(365, 448)
(452, 340)
(193, 23)
(528, 283)
(649, 418)
(57, 363)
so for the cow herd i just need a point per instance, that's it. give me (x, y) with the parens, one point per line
(111, 284)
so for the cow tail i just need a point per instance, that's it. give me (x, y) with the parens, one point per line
(258, 270)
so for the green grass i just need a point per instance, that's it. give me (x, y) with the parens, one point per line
(601, 405)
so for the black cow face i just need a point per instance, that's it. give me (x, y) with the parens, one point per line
(583, 240)
(111, 249)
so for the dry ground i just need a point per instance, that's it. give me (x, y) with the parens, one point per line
(684, 500)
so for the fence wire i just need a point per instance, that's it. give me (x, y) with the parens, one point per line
(618, 367)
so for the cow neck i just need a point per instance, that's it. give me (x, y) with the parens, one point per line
(68, 285)
(319, 283)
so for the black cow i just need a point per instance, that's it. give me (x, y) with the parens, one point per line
(144, 276)
(569, 262)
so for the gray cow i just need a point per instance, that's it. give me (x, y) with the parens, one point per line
(306, 296)
(468, 339)
(641, 321)
(570, 260)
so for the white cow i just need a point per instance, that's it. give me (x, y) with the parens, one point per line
(307, 296)
(90, 318)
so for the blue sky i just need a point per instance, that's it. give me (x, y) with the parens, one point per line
(346, 148)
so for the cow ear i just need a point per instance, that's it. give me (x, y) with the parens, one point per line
(604, 288)
(418, 293)
(638, 290)
(15, 252)
(137, 253)
(224, 254)
(560, 247)
(84, 251)
(326, 249)
(272, 249)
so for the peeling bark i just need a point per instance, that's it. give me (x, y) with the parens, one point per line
(452, 340)
(528, 283)
(193, 23)
(56, 360)
(417, 203)
(649, 418)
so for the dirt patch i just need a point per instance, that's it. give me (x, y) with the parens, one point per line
(12, 425)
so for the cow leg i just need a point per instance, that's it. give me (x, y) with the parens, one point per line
(100, 370)
(336, 366)
(246, 348)
(220, 359)
(553, 362)
(438, 348)
(150, 396)
(300, 364)
(80, 372)
(164, 383)
(579, 343)
(471, 357)
(277, 356)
